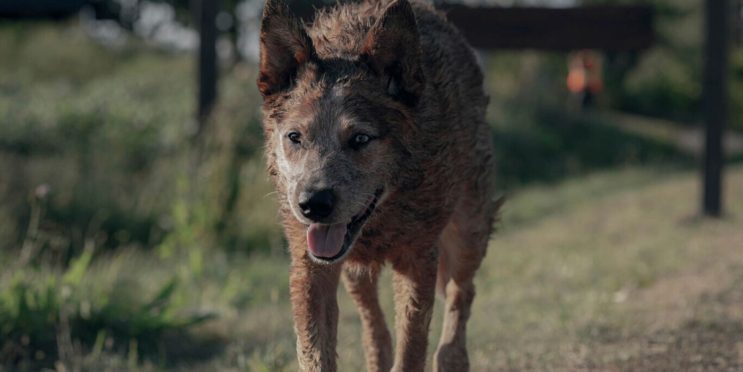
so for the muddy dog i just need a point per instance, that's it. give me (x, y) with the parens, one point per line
(378, 148)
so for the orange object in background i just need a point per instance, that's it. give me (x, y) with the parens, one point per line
(576, 80)
(585, 75)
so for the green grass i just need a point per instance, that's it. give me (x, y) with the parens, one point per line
(131, 304)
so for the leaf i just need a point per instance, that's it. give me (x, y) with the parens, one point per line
(79, 266)
(162, 297)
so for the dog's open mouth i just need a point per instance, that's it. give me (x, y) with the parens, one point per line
(329, 243)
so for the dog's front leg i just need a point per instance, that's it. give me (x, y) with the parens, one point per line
(313, 290)
(362, 286)
(414, 283)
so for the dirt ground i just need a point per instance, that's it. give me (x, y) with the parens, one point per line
(697, 320)
(633, 280)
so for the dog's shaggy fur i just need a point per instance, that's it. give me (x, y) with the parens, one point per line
(379, 103)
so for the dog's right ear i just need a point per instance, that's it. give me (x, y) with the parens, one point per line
(392, 49)
(285, 46)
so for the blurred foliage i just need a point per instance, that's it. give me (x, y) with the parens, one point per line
(97, 150)
(665, 81)
(538, 140)
(33, 52)
(558, 144)
(114, 144)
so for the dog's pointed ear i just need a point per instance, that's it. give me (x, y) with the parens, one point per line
(285, 46)
(392, 49)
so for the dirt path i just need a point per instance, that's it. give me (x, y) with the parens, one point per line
(628, 282)
(695, 319)
(710, 339)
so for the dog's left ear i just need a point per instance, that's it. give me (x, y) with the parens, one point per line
(392, 49)
(285, 46)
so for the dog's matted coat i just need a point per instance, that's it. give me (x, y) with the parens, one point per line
(377, 144)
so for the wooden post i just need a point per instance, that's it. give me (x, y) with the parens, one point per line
(715, 102)
(206, 14)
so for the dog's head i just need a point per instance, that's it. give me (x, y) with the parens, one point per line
(337, 127)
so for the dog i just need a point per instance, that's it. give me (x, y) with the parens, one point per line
(377, 145)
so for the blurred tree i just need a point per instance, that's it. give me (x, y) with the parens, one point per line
(666, 81)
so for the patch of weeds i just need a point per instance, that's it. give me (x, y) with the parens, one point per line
(48, 315)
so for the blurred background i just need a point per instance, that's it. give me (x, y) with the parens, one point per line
(138, 230)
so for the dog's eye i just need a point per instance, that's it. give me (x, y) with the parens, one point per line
(294, 137)
(359, 140)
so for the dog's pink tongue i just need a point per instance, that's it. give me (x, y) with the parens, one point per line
(325, 241)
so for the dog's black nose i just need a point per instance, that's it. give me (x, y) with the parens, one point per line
(317, 205)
